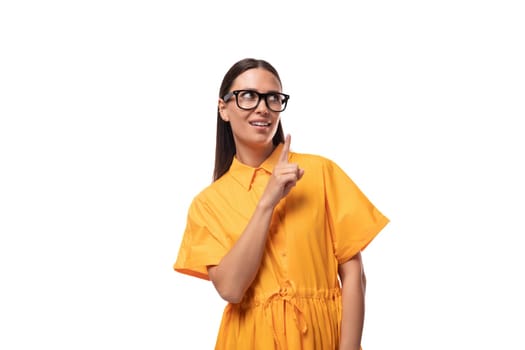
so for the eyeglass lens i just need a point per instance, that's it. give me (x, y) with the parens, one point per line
(248, 99)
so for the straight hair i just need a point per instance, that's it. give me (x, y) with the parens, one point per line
(225, 144)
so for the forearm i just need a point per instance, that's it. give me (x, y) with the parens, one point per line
(238, 268)
(353, 306)
(236, 271)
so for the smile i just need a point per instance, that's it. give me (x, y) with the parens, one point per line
(260, 123)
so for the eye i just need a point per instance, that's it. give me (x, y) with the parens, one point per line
(275, 98)
(248, 95)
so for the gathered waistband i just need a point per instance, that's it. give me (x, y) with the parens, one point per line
(289, 294)
(288, 291)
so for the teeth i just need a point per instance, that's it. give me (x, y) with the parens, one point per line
(260, 123)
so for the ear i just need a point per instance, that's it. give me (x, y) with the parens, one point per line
(222, 110)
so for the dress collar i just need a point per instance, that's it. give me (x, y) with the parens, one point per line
(244, 174)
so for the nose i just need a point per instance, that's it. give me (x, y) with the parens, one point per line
(262, 107)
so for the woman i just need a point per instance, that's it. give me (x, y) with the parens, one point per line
(278, 233)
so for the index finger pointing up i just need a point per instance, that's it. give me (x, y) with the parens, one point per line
(283, 158)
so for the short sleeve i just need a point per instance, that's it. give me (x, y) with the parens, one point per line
(202, 243)
(353, 220)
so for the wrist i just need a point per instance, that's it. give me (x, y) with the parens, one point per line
(265, 205)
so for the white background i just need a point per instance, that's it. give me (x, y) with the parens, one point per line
(107, 130)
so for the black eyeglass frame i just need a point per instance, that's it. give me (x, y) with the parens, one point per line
(260, 96)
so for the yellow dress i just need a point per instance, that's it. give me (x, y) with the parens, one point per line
(295, 300)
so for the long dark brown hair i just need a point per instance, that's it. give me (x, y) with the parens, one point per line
(225, 145)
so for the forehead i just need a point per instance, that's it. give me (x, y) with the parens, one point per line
(257, 79)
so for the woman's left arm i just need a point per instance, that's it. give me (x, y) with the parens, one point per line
(353, 280)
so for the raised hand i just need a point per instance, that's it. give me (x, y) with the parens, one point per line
(284, 177)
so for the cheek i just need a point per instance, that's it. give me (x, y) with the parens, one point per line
(238, 116)
(276, 121)
(236, 120)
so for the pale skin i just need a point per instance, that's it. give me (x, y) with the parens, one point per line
(238, 268)
(353, 279)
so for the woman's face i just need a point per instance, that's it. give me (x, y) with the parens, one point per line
(253, 128)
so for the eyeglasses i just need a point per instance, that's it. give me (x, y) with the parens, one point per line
(250, 99)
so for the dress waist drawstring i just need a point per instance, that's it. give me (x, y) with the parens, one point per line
(288, 294)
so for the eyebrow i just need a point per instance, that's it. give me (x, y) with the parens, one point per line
(267, 92)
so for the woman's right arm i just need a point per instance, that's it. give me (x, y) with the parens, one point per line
(238, 268)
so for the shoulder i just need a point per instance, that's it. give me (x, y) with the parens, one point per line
(320, 167)
(215, 193)
(314, 160)
(207, 193)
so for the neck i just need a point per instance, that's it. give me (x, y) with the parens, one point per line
(253, 156)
